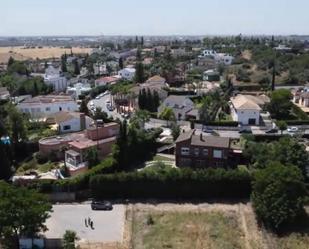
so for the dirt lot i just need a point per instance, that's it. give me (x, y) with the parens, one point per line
(20, 53)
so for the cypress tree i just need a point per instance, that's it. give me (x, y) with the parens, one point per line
(120, 63)
(76, 67)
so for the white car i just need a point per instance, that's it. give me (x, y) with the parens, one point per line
(97, 97)
(293, 129)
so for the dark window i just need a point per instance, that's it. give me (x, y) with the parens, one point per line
(67, 127)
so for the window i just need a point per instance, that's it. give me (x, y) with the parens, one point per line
(217, 153)
(185, 151)
(196, 151)
(205, 152)
(47, 109)
(60, 108)
(67, 127)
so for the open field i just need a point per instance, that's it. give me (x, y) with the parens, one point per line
(205, 226)
(20, 53)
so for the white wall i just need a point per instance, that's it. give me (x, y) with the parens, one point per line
(243, 116)
(74, 124)
(47, 109)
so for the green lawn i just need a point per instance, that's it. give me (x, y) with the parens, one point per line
(186, 230)
(161, 158)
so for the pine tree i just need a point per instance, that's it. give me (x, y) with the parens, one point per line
(35, 89)
(83, 107)
(76, 67)
(120, 63)
(156, 101)
(64, 63)
(149, 101)
(10, 61)
(139, 73)
(142, 41)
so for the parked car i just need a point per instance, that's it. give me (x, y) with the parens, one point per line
(292, 129)
(98, 97)
(101, 205)
(273, 130)
(207, 129)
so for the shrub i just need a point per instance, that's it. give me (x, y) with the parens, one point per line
(172, 183)
(41, 159)
(278, 194)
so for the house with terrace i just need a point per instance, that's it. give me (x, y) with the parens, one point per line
(74, 147)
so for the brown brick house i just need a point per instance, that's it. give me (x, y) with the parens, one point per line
(202, 151)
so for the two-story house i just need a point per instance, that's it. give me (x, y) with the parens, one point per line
(202, 151)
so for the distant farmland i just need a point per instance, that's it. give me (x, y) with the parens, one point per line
(22, 53)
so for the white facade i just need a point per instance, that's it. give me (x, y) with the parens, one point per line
(43, 109)
(221, 58)
(246, 117)
(78, 89)
(74, 124)
(127, 73)
(52, 77)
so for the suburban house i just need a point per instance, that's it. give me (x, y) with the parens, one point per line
(180, 105)
(202, 151)
(4, 93)
(246, 109)
(108, 80)
(53, 77)
(127, 73)
(99, 69)
(211, 75)
(46, 105)
(70, 121)
(78, 89)
(220, 58)
(76, 145)
(155, 83)
(301, 97)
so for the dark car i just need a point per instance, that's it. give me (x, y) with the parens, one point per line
(273, 130)
(207, 129)
(101, 205)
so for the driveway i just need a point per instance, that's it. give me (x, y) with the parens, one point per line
(108, 225)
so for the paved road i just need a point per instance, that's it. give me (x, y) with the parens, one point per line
(101, 102)
(108, 225)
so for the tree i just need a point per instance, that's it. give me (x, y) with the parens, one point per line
(64, 63)
(17, 126)
(99, 114)
(83, 107)
(167, 114)
(278, 195)
(156, 101)
(175, 131)
(17, 221)
(139, 118)
(76, 67)
(10, 61)
(120, 63)
(92, 157)
(139, 72)
(69, 238)
(5, 166)
(280, 105)
(282, 125)
(205, 109)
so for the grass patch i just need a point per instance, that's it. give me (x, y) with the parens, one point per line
(184, 230)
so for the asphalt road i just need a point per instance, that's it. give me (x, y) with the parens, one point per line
(101, 102)
(108, 225)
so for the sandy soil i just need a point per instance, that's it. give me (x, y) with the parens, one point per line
(20, 53)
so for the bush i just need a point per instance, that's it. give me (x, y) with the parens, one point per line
(40, 158)
(172, 183)
(219, 123)
(278, 195)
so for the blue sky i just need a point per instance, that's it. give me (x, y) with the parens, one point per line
(153, 17)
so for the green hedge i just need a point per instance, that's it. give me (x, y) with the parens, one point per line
(297, 122)
(176, 183)
(219, 123)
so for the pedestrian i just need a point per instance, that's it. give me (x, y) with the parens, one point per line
(86, 222)
(89, 220)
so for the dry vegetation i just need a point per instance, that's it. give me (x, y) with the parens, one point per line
(205, 226)
(21, 53)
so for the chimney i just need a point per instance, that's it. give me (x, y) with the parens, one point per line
(82, 119)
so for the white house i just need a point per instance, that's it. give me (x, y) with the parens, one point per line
(246, 109)
(53, 77)
(179, 104)
(71, 121)
(47, 105)
(127, 73)
(78, 89)
(108, 80)
(220, 58)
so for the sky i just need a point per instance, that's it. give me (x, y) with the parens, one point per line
(153, 17)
